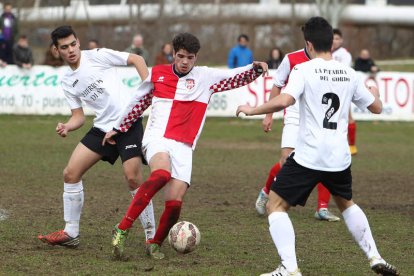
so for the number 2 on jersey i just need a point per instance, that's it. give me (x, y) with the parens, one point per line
(331, 109)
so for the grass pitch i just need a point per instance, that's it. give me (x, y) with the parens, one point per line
(230, 166)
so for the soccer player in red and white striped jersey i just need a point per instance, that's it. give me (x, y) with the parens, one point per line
(180, 95)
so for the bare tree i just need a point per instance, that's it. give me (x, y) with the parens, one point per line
(331, 10)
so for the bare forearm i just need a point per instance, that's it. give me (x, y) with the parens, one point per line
(75, 122)
(139, 63)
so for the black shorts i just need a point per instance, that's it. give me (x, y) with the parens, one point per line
(128, 145)
(294, 183)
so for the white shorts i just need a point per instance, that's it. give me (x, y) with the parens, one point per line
(289, 136)
(181, 156)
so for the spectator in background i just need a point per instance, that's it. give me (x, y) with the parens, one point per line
(22, 53)
(93, 44)
(52, 57)
(165, 56)
(9, 30)
(365, 63)
(2, 63)
(275, 58)
(240, 55)
(137, 47)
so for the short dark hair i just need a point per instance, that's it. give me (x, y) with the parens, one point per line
(62, 32)
(337, 32)
(186, 41)
(319, 32)
(243, 36)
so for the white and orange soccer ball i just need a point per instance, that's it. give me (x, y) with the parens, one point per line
(184, 237)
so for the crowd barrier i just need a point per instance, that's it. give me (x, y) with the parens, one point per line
(38, 92)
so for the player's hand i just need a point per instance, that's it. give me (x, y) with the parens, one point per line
(62, 130)
(264, 67)
(109, 138)
(267, 123)
(246, 109)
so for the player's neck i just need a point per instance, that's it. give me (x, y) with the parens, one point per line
(323, 55)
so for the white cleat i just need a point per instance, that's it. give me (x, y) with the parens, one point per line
(324, 214)
(261, 203)
(282, 271)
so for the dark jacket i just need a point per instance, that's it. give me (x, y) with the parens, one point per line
(15, 25)
(273, 63)
(364, 65)
(22, 55)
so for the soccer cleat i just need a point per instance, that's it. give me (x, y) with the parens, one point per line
(324, 214)
(153, 250)
(261, 203)
(118, 241)
(353, 149)
(380, 266)
(282, 271)
(60, 238)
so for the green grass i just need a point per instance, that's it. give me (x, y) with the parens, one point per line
(230, 165)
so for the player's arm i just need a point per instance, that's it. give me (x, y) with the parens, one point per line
(376, 106)
(274, 105)
(268, 119)
(141, 100)
(75, 121)
(139, 64)
(220, 80)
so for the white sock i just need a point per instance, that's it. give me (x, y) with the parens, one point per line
(147, 219)
(357, 224)
(72, 207)
(283, 235)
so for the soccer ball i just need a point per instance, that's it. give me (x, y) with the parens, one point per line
(184, 237)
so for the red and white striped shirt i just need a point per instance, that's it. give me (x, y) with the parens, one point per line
(179, 104)
(281, 77)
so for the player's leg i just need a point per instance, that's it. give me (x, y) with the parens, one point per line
(340, 185)
(130, 150)
(133, 174)
(357, 223)
(322, 212)
(288, 144)
(352, 134)
(159, 177)
(181, 167)
(292, 186)
(80, 161)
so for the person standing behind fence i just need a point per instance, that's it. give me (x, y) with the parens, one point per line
(275, 58)
(9, 30)
(240, 55)
(137, 47)
(165, 56)
(22, 53)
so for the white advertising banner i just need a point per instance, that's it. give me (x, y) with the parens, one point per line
(37, 91)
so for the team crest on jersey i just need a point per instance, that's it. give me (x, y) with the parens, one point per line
(189, 83)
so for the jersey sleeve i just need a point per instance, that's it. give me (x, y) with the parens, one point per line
(73, 101)
(140, 101)
(220, 80)
(296, 84)
(281, 75)
(110, 57)
(362, 97)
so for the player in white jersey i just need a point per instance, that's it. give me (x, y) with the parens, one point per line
(324, 89)
(92, 80)
(342, 55)
(289, 137)
(181, 92)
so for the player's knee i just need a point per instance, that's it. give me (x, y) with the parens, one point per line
(70, 176)
(133, 181)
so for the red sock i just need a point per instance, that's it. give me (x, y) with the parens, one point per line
(168, 218)
(323, 196)
(351, 133)
(272, 174)
(146, 191)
